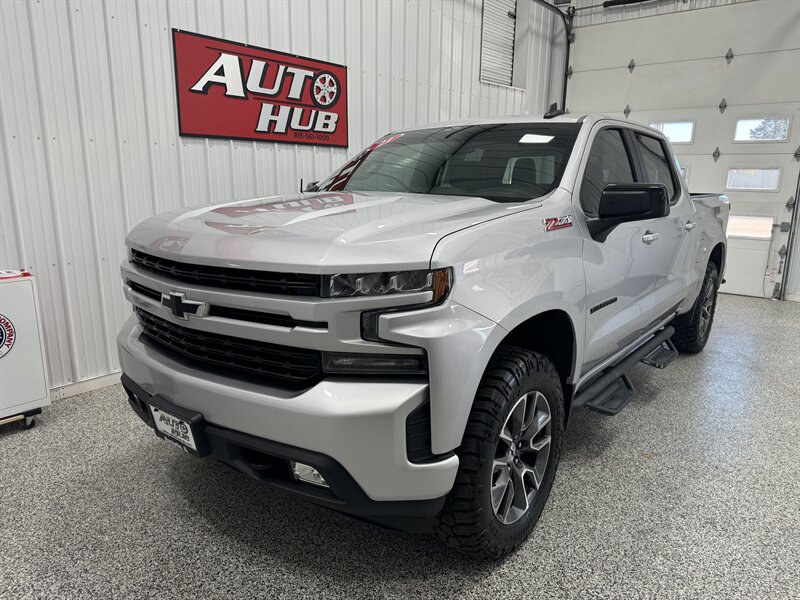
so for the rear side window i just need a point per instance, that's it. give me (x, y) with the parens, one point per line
(608, 162)
(656, 163)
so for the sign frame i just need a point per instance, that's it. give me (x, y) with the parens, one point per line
(342, 101)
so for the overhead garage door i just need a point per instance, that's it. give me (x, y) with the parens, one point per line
(702, 76)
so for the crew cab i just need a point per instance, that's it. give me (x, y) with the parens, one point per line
(406, 340)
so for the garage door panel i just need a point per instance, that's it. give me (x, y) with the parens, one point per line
(703, 83)
(681, 37)
(706, 175)
(747, 80)
(599, 91)
(713, 129)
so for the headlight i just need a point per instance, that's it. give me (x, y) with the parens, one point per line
(398, 282)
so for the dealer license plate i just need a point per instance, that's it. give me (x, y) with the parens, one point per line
(173, 427)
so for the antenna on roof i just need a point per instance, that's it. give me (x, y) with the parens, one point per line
(554, 111)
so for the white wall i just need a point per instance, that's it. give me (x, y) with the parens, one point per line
(89, 143)
(591, 12)
(681, 73)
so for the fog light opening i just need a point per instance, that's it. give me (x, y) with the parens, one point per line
(307, 474)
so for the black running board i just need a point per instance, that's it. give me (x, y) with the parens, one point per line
(661, 356)
(614, 398)
(607, 393)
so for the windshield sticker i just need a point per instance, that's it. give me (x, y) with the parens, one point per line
(304, 204)
(385, 141)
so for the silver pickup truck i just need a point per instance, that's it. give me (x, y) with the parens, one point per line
(406, 341)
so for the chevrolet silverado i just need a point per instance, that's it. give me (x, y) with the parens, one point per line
(406, 340)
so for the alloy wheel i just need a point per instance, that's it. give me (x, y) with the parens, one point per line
(706, 309)
(521, 457)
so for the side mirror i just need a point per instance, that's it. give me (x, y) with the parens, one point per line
(312, 187)
(624, 202)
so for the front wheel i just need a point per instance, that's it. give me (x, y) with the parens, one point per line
(508, 456)
(693, 328)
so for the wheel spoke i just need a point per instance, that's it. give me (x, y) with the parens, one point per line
(520, 489)
(541, 418)
(537, 480)
(516, 420)
(507, 501)
(499, 488)
(526, 470)
(540, 444)
(505, 436)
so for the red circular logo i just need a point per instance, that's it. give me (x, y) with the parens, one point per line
(8, 335)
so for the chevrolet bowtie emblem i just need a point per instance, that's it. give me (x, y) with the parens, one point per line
(181, 307)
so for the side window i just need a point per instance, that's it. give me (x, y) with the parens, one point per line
(655, 161)
(608, 162)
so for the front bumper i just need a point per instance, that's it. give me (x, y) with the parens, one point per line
(359, 425)
(269, 462)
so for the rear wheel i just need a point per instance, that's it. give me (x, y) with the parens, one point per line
(508, 457)
(692, 329)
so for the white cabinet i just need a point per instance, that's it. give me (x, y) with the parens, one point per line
(23, 380)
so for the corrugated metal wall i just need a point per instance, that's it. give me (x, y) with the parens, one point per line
(89, 134)
(591, 12)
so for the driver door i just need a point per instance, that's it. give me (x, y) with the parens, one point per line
(621, 270)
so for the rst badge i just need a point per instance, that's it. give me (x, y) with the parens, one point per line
(553, 223)
(231, 90)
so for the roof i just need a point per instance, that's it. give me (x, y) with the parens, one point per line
(503, 119)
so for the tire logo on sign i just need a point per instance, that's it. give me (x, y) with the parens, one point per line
(325, 91)
(8, 335)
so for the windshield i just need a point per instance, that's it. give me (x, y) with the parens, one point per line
(504, 163)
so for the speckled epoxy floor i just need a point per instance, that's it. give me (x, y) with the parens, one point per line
(692, 491)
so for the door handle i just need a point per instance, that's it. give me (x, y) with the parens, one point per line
(689, 225)
(649, 237)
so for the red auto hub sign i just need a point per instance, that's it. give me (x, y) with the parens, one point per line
(231, 90)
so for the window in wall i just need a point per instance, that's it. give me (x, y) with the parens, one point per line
(677, 132)
(758, 228)
(497, 41)
(608, 162)
(764, 180)
(656, 163)
(762, 130)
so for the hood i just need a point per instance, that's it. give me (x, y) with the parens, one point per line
(316, 233)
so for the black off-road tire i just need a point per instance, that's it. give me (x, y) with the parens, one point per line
(693, 328)
(468, 521)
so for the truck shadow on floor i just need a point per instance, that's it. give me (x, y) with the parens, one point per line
(280, 529)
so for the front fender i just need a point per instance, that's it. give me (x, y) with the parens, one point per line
(459, 343)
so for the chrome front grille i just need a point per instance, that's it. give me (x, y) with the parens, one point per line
(237, 314)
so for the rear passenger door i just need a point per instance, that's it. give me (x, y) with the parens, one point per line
(620, 270)
(677, 233)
